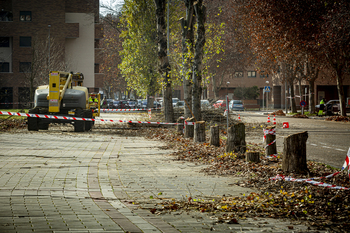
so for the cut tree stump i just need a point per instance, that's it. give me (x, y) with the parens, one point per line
(236, 139)
(270, 149)
(215, 136)
(199, 131)
(294, 153)
(189, 129)
(180, 126)
(253, 156)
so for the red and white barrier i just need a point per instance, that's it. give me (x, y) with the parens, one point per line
(122, 110)
(269, 131)
(86, 119)
(317, 183)
(126, 109)
(311, 181)
(239, 117)
(274, 119)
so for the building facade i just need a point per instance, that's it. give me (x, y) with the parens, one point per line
(37, 35)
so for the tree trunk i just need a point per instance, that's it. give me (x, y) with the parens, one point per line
(180, 127)
(199, 131)
(270, 139)
(214, 136)
(187, 40)
(341, 95)
(164, 68)
(312, 96)
(292, 95)
(200, 11)
(189, 129)
(294, 153)
(300, 90)
(236, 139)
(253, 157)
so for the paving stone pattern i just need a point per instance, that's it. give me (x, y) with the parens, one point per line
(52, 181)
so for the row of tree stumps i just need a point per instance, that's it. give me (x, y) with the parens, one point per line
(294, 152)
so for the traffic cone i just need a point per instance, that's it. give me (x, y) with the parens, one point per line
(239, 117)
(268, 118)
(274, 119)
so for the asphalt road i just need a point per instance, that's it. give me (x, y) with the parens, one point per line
(328, 141)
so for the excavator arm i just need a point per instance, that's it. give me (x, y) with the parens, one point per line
(58, 84)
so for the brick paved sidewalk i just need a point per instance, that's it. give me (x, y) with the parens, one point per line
(53, 181)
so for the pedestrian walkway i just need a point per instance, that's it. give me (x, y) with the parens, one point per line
(54, 181)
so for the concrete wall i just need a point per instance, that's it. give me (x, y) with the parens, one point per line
(80, 52)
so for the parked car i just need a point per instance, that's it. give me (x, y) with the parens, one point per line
(143, 103)
(220, 104)
(205, 104)
(331, 107)
(120, 104)
(132, 104)
(175, 100)
(236, 105)
(156, 104)
(180, 104)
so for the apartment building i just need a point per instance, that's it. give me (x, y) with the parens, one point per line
(41, 35)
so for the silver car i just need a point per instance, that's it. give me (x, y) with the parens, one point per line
(236, 105)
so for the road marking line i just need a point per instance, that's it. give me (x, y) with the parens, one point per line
(327, 147)
(340, 150)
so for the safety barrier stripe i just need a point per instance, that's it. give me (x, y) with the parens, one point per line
(125, 110)
(311, 181)
(270, 143)
(86, 119)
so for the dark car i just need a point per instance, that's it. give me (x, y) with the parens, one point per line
(132, 104)
(331, 107)
(157, 104)
(120, 104)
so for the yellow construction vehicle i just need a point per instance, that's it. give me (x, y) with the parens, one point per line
(64, 96)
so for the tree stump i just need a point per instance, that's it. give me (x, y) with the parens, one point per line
(199, 131)
(294, 153)
(271, 148)
(180, 126)
(189, 129)
(253, 156)
(215, 136)
(236, 139)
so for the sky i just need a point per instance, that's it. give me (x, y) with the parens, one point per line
(111, 3)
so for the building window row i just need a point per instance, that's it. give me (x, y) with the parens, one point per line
(250, 74)
(24, 41)
(24, 67)
(24, 16)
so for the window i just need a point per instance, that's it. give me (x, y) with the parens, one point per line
(263, 75)
(97, 68)
(4, 67)
(25, 67)
(25, 16)
(5, 42)
(239, 74)
(25, 41)
(6, 15)
(251, 74)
